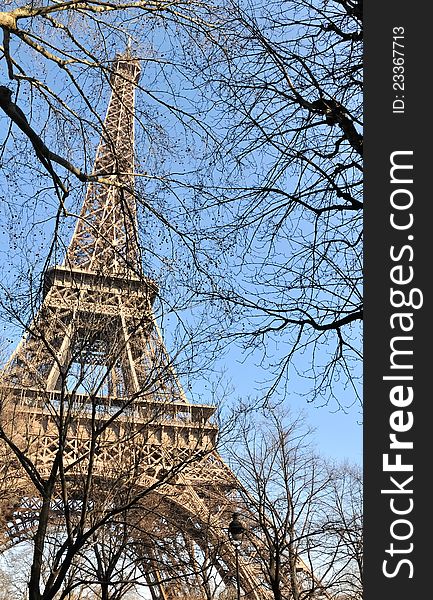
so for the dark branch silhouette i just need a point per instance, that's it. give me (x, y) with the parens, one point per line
(14, 112)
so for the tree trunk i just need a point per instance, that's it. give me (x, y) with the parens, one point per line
(36, 567)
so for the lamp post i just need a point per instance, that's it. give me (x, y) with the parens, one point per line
(236, 532)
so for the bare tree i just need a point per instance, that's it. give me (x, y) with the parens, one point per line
(108, 567)
(287, 89)
(67, 494)
(341, 545)
(304, 517)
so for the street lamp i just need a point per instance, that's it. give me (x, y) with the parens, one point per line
(236, 533)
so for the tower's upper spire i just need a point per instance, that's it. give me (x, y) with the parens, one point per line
(105, 237)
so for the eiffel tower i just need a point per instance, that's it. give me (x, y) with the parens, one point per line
(94, 423)
(92, 409)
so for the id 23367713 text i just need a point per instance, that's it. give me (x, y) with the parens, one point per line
(398, 44)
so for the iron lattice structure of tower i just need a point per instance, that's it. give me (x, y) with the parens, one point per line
(91, 405)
